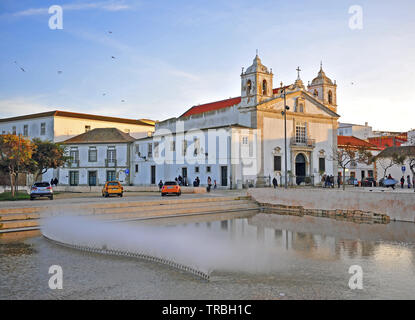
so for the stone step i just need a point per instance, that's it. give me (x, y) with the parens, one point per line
(178, 211)
(169, 206)
(117, 203)
(19, 216)
(14, 224)
(155, 209)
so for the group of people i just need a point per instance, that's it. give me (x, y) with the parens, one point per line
(182, 181)
(328, 181)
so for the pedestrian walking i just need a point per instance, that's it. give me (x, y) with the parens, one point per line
(408, 179)
(275, 182)
(160, 185)
(402, 182)
(339, 177)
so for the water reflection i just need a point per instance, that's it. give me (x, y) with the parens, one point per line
(308, 258)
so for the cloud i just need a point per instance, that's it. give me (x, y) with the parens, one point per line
(112, 5)
(17, 106)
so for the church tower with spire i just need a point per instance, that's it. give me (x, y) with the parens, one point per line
(324, 89)
(256, 83)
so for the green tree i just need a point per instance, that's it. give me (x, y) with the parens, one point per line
(47, 155)
(15, 156)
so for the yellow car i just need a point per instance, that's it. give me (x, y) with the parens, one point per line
(112, 188)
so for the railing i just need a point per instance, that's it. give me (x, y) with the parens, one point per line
(110, 162)
(73, 163)
(296, 181)
(297, 141)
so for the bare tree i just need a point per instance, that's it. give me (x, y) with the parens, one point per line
(347, 154)
(387, 163)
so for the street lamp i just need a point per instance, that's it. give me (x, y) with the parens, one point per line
(284, 113)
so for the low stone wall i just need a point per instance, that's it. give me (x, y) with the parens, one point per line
(339, 214)
(397, 206)
(7, 189)
(98, 189)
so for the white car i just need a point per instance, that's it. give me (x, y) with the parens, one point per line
(41, 189)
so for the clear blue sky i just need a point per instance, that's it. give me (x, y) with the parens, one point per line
(170, 55)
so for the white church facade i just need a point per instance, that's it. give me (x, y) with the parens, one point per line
(240, 141)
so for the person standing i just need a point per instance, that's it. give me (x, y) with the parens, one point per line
(339, 178)
(408, 179)
(275, 182)
(209, 183)
(160, 185)
(402, 182)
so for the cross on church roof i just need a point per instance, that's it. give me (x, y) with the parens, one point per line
(298, 72)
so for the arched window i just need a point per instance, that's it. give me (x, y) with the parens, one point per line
(330, 96)
(315, 94)
(248, 87)
(264, 87)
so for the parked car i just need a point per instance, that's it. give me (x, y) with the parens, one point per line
(112, 188)
(41, 189)
(369, 182)
(171, 187)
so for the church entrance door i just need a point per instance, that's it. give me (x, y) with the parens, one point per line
(300, 168)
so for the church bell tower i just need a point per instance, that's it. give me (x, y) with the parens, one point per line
(256, 83)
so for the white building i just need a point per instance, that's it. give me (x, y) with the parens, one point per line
(58, 126)
(411, 138)
(241, 140)
(358, 169)
(97, 156)
(356, 130)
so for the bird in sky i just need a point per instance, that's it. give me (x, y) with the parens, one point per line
(19, 66)
(59, 72)
(122, 101)
(109, 31)
(104, 94)
(113, 57)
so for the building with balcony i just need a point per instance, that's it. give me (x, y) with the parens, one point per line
(97, 156)
(240, 141)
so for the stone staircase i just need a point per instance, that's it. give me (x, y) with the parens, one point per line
(29, 218)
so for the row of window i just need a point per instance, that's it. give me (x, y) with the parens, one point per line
(92, 177)
(321, 164)
(26, 129)
(329, 95)
(93, 154)
(196, 151)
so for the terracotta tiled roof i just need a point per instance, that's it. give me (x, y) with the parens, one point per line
(354, 142)
(58, 113)
(101, 135)
(212, 106)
